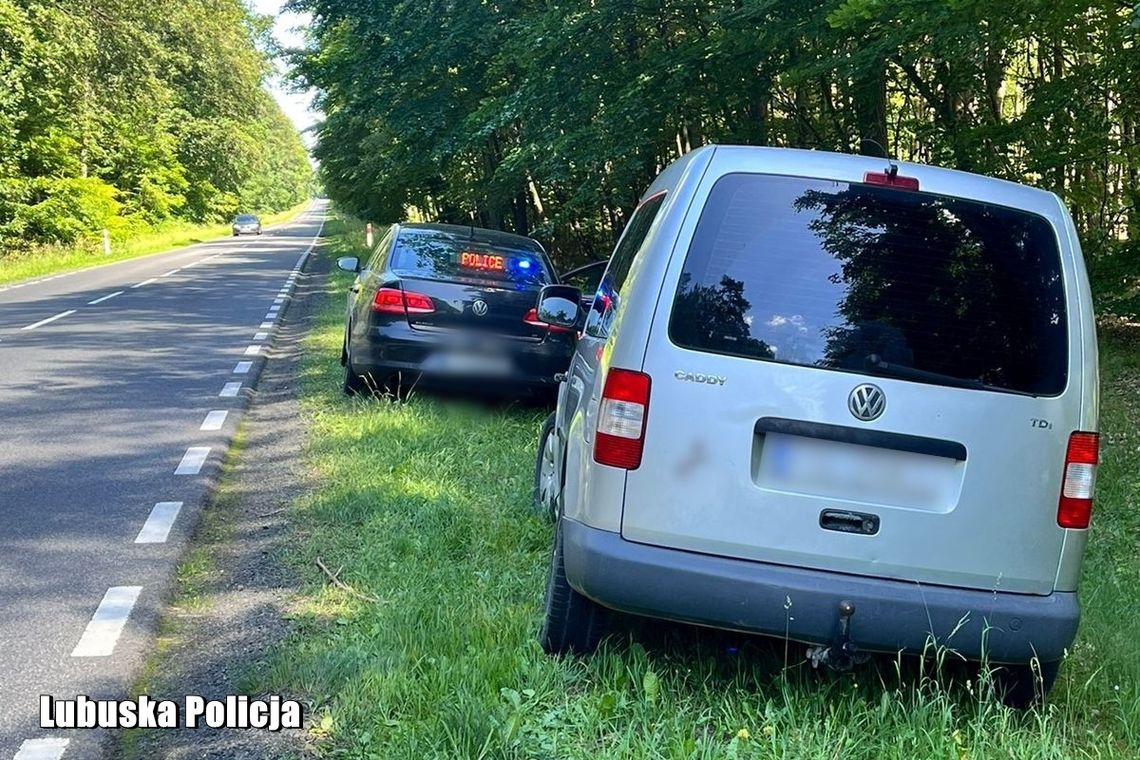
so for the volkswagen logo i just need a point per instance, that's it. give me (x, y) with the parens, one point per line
(867, 402)
(479, 308)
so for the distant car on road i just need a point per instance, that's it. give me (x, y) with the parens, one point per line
(247, 224)
(833, 399)
(454, 304)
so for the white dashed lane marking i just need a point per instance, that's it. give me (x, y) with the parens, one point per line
(193, 460)
(242, 368)
(266, 325)
(172, 271)
(102, 633)
(229, 390)
(261, 336)
(107, 297)
(49, 320)
(42, 749)
(254, 350)
(157, 527)
(214, 420)
(144, 282)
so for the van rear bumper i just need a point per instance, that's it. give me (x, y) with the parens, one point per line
(890, 615)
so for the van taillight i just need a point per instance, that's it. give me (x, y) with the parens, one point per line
(396, 301)
(621, 419)
(532, 319)
(1080, 480)
(888, 179)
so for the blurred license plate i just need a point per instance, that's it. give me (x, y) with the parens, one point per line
(461, 363)
(851, 472)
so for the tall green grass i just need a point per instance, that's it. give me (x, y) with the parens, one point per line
(423, 511)
(56, 259)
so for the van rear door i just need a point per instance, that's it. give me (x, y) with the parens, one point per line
(864, 379)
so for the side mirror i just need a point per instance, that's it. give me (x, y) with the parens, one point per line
(559, 305)
(349, 263)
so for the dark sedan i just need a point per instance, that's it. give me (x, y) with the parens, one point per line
(453, 304)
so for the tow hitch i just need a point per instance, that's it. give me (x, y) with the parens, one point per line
(844, 654)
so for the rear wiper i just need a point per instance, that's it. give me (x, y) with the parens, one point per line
(875, 363)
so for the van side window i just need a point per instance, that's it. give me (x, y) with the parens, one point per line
(607, 299)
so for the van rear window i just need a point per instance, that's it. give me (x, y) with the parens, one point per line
(442, 256)
(876, 280)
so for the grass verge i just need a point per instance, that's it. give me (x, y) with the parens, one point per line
(53, 260)
(424, 507)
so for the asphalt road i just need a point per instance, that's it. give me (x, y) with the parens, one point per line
(120, 389)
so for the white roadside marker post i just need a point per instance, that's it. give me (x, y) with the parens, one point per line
(106, 243)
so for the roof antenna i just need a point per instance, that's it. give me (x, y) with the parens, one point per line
(865, 141)
(892, 167)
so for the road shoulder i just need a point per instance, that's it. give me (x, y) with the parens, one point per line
(235, 587)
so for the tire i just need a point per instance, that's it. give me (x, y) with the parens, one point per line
(572, 624)
(547, 473)
(1023, 686)
(354, 384)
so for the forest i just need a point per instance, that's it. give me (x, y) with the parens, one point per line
(126, 114)
(551, 118)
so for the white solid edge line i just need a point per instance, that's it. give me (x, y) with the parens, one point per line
(214, 420)
(43, 322)
(193, 460)
(42, 749)
(253, 350)
(144, 282)
(157, 527)
(229, 390)
(102, 633)
(242, 368)
(106, 297)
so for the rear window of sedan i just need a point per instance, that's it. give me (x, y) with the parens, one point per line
(849, 276)
(441, 256)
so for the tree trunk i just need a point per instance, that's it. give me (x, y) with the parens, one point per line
(870, 95)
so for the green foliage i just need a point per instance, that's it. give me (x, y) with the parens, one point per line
(129, 113)
(552, 118)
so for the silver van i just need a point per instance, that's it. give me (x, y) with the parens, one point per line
(831, 398)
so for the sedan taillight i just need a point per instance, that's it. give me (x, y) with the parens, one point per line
(532, 319)
(397, 301)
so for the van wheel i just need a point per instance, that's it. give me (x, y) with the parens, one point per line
(1023, 686)
(572, 624)
(547, 480)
